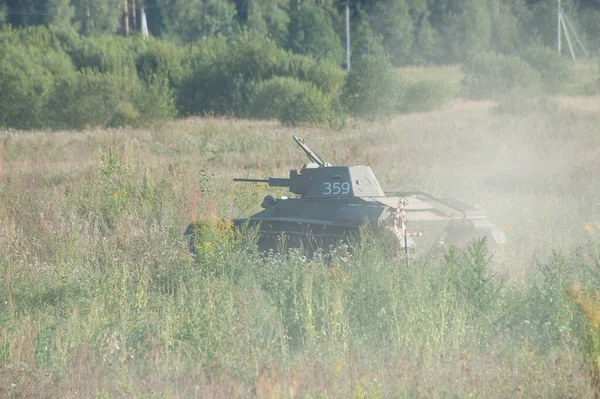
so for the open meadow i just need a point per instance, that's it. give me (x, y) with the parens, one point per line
(99, 296)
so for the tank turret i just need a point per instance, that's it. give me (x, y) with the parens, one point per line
(321, 180)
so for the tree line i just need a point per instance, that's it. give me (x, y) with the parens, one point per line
(406, 31)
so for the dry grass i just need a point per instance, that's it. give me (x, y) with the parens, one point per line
(99, 296)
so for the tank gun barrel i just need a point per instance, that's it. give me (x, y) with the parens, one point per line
(272, 181)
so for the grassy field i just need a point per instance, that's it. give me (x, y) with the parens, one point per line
(99, 296)
(585, 80)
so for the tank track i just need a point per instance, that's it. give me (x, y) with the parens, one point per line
(273, 240)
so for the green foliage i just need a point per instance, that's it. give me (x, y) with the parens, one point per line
(471, 277)
(226, 84)
(425, 95)
(539, 22)
(104, 54)
(325, 75)
(371, 89)
(363, 38)
(311, 33)
(291, 101)
(61, 13)
(26, 84)
(54, 78)
(270, 19)
(214, 240)
(415, 31)
(190, 20)
(92, 98)
(426, 38)
(97, 17)
(589, 28)
(506, 19)
(393, 24)
(41, 37)
(464, 26)
(490, 75)
(224, 79)
(162, 61)
(2, 15)
(555, 71)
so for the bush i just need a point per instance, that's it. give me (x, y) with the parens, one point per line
(326, 75)
(26, 84)
(41, 88)
(162, 61)
(106, 54)
(372, 89)
(225, 78)
(555, 71)
(291, 102)
(490, 75)
(40, 37)
(95, 99)
(311, 33)
(226, 84)
(425, 95)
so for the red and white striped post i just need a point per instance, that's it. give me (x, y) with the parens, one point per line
(401, 215)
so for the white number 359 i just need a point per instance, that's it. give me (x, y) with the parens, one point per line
(336, 188)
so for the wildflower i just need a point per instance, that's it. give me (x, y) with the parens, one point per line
(339, 365)
(589, 305)
(589, 227)
(118, 195)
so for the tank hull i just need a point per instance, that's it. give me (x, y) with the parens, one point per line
(439, 221)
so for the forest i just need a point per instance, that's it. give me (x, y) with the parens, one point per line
(281, 61)
(408, 31)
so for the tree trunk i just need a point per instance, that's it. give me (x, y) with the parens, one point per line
(133, 16)
(126, 19)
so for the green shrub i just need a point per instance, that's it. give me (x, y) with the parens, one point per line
(225, 78)
(425, 95)
(39, 37)
(41, 88)
(326, 75)
(311, 33)
(105, 54)
(26, 85)
(372, 89)
(91, 98)
(207, 51)
(153, 101)
(226, 84)
(291, 101)
(161, 61)
(555, 71)
(489, 75)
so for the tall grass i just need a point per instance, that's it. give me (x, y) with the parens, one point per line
(99, 295)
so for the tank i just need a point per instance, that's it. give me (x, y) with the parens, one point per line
(332, 203)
